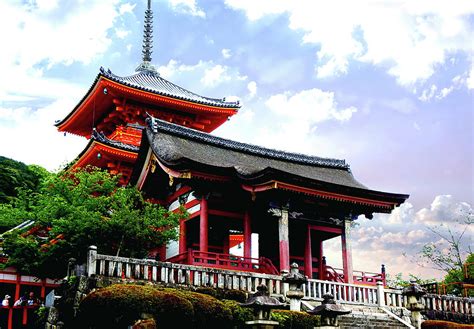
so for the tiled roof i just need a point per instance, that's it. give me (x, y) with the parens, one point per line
(178, 146)
(100, 137)
(160, 125)
(152, 82)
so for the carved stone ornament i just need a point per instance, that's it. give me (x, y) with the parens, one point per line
(275, 212)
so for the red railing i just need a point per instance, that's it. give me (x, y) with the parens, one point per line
(365, 278)
(225, 261)
(17, 316)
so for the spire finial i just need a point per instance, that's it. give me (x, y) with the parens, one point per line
(147, 42)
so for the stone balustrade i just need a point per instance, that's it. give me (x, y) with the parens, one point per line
(172, 273)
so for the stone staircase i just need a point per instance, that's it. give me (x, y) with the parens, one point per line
(372, 317)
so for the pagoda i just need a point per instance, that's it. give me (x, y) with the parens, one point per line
(113, 112)
(156, 135)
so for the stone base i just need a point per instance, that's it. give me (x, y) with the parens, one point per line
(262, 324)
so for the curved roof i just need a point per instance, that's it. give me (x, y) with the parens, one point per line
(151, 81)
(185, 148)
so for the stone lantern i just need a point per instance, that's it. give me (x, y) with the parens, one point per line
(262, 305)
(329, 311)
(414, 292)
(295, 281)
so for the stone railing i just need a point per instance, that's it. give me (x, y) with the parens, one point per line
(343, 292)
(172, 273)
(448, 303)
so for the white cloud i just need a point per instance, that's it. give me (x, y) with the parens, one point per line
(226, 53)
(252, 87)
(188, 7)
(409, 39)
(127, 8)
(215, 75)
(121, 33)
(34, 131)
(470, 78)
(445, 209)
(310, 106)
(36, 43)
(428, 93)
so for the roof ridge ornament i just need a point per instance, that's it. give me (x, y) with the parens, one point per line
(146, 65)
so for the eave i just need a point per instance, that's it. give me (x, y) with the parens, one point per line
(90, 155)
(99, 101)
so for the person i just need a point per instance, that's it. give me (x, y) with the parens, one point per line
(32, 300)
(6, 301)
(22, 301)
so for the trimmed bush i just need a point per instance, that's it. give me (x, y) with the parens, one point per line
(219, 293)
(239, 314)
(118, 306)
(208, 311)
(295, 320)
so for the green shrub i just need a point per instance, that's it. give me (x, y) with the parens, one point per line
(120, 305)
(239, 314)
(208, 311)
(219, 293)
(295, 320)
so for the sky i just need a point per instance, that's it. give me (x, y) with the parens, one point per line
(386, 85)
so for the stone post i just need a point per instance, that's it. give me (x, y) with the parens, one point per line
(91, 261)
(414, 293)
(295, 280)
(380, 294)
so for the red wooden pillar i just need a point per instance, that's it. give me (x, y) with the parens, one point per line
(321, 262)
(347, 252)
(182, 236)
(17, 287)
(283, 241)
(308, 256)
(10, 316)
(43, 289)
(247, 235)
(203, 226)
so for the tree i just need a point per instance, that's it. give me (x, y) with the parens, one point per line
(14, 175)
(451, 251)
(73, 210)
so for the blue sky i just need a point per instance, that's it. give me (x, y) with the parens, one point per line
(386, 85)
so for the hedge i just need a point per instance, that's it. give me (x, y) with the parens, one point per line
(295, 320)
(208, 311)
(118, 306)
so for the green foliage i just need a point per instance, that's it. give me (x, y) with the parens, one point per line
(15, 175)
(239, 314)
(118, 306)
(453, 278)
(41, 316)
(219, 293)
(398, 281)
(75, 210)
(295, 320)
(208, 311)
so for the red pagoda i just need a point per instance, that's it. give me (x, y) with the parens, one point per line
(157, 136)
(112, 113)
